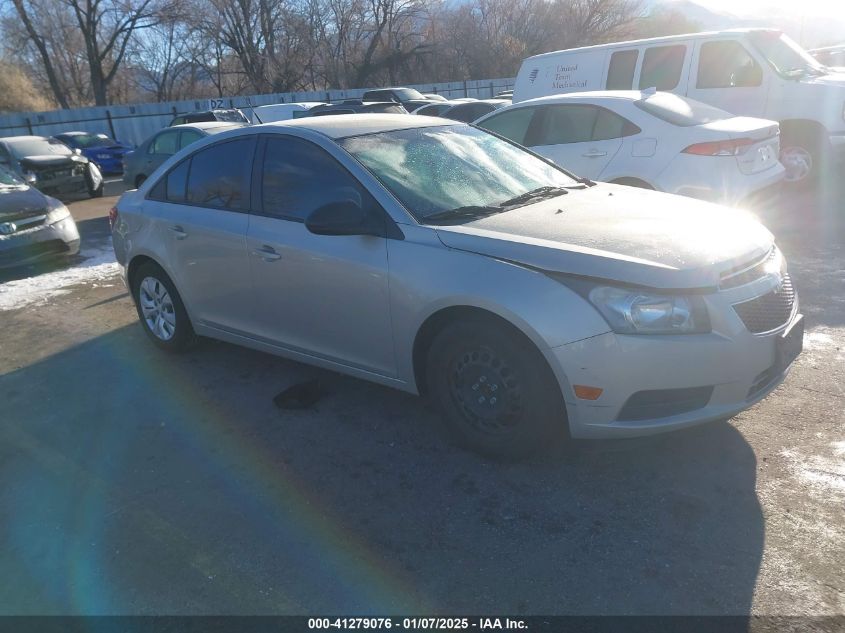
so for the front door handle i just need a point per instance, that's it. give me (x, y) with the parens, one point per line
(179, 232)
(267, 253)
(594, 153)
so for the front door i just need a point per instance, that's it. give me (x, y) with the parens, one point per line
(323, 295)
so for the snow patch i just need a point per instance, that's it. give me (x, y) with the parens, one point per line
(820, 473)
(98, 266)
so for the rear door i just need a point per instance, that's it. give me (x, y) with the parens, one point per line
(566, 134)
(323, 295)
(202, 214)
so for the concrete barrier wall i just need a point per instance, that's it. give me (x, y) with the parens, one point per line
(134, 123)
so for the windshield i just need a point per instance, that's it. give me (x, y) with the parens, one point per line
(8, 179)
(89, 140)
(680, 111)
(408, 94)
(22, 148)
(436, 169)
(231, 116)
(785, 56)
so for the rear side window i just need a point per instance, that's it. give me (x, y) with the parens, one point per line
(680, 111)
(512, 124)
(165, 143)
(610, 125)
(662, 67)
(219, 175)
(727, 65)
(188, 137)
(298, 177)
(620, 73)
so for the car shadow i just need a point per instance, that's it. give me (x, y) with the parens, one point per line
(140, 482)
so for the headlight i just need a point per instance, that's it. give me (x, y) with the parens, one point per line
(30, 177)
(633, 311)
(56, 211)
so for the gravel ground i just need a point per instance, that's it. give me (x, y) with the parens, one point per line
(140, 483)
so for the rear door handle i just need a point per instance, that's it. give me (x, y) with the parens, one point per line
(179, 232)
(594, 153)
(267, 253)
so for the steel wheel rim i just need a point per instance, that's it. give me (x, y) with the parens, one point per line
(157, 308)
(798, 163)
(486, 391)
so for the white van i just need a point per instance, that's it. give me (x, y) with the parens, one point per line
(282, 111)
(752, 72)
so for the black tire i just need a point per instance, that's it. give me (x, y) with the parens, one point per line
(181, 333)
(803, 152)
(139, 180)
(96, 193)
(519, 408)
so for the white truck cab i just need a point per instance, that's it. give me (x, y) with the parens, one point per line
(751, 72)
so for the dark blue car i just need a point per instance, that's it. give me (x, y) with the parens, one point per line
(98, 148)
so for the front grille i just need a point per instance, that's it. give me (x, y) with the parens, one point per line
(11, 256)
(661, 403)
(769, 311)
(742, 276)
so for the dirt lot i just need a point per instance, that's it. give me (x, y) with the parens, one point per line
(140, 483)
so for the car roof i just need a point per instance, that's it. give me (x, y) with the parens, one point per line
(208, 125)
(656, 40)
(343, 125)
(24, 138)
(596, 95)
(477, 101)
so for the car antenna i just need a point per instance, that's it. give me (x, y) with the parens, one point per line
(251, 107)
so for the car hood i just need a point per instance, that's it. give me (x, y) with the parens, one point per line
(621, 234)
(20, 202)
(39, 162)
(834, 78)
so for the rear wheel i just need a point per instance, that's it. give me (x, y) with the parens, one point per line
(494, 389)
(139, 180)
(160, 309)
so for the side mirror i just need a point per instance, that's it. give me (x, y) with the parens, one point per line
(344, 217)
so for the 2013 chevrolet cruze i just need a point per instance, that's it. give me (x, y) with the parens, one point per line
(438, 258)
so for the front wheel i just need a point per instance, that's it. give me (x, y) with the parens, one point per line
(494, 390)
(803, 155)
(160, 309)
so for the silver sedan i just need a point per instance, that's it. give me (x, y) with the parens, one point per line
(440, 259)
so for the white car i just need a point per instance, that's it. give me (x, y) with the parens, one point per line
(655, 140)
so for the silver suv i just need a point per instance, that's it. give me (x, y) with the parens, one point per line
(438, 258)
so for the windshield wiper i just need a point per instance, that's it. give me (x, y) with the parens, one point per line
(535, 194)
(469, 212)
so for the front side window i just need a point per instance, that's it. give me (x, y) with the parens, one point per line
(299, 177)
(165, 144)
(620, 73)
(727, 65)
(435, 169)
(219, 175)
(662, 67)
(512, 123)
(787, 58)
